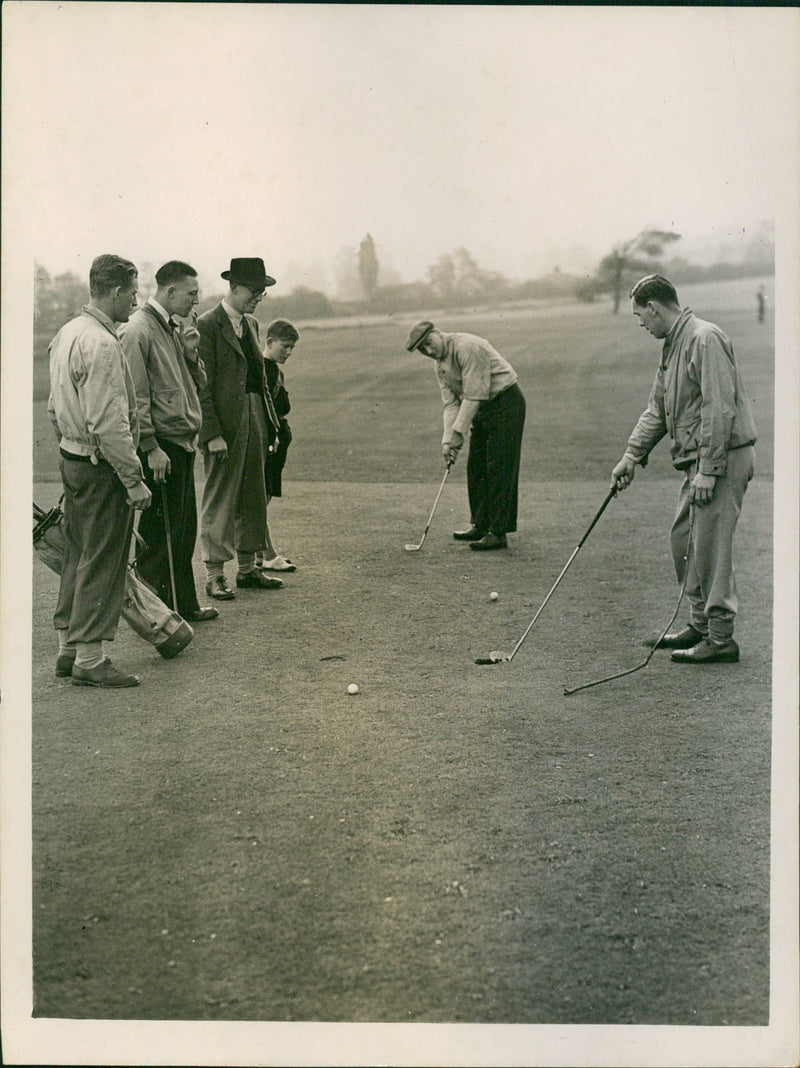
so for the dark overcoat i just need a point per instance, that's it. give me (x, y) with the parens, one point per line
(223, 396)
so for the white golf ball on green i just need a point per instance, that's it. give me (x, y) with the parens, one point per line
(493, 596)
(352, 688)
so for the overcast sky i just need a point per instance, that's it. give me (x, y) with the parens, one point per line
(532, 136)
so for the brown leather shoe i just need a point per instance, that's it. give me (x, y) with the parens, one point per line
(219, 588)
(490, 541)
(200, 615)
(686, 638)
(257, 580)
(473, 534)
(105, 674)
(64, 662)
(708, 652)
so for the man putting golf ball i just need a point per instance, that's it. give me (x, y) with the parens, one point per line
(480, 394)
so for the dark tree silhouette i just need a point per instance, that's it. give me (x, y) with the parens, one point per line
(631, 257)
(368, 267)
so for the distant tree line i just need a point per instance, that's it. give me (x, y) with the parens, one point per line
(455, 280)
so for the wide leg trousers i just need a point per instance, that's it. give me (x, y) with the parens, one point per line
(711, 576)
(495, 446)
(153, 562)
(234, 509)
(98, 523)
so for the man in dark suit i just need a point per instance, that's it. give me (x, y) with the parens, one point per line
(240, 428)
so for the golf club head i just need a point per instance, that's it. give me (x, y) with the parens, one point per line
(494, 658)
(412, 548)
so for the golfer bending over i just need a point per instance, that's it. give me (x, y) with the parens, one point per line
(479, 392)
(698, 399)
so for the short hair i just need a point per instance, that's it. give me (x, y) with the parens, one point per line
(654, 287)
(174, 271)
(282, 330)
(109, 271)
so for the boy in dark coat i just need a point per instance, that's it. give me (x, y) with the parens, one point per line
(282, 337)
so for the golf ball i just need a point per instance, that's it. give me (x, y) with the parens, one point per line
(493, 596)
(352, 688)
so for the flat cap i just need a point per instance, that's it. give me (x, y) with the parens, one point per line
(418, 334)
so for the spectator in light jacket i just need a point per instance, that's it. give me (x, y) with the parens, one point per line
(92, 407)
(167, 374)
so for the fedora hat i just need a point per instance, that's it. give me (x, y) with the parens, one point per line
(418, 334)
(248, 272)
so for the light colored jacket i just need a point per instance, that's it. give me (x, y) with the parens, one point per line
(697, 398)
(470, 370)
(165, 382)
(92, 401)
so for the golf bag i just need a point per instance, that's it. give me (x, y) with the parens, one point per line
(142, 610)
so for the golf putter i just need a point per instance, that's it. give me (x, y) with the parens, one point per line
(409, 546)
(496, 657)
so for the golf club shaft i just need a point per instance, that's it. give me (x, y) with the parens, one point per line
(435, 503)
(656, 644)
(169, 546)
(611, 493)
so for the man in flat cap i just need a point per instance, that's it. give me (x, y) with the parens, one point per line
(240, 428)
(480, 394)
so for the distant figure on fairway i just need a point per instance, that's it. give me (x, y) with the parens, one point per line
(240, 429)
(92, 407)
(761, 301)
(167, 373)
(698, 399)
(480, 394)
(282, 337)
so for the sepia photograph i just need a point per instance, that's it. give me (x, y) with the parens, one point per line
(399, 556)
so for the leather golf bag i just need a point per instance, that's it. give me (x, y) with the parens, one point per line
(142, 610)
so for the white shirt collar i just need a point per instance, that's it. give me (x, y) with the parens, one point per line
(236, 317)
(161, 311)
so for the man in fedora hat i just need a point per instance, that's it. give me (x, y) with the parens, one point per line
(480, 395)
(240, 428)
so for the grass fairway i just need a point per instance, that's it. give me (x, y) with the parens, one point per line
(240, 839)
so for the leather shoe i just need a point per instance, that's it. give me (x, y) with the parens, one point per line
(105, 674)
(257, 580)
(686, 638)
(708, 652)
(200, 615)
(473, 534)
(64, 663)
(219, 588)
(490, 541)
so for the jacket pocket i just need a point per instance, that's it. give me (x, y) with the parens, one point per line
(169, 399)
